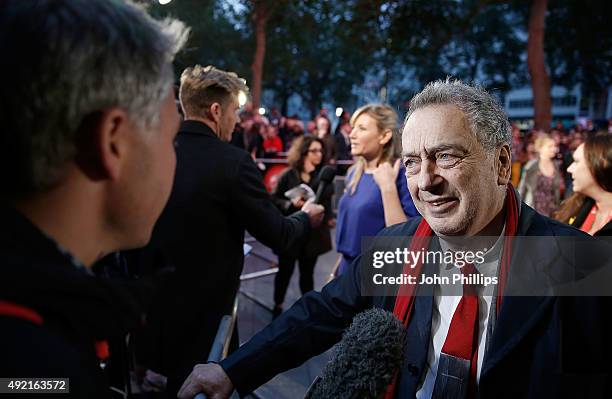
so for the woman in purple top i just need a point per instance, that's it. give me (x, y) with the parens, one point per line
(376, 194)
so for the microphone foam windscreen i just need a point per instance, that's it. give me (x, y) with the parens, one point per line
(365, 360)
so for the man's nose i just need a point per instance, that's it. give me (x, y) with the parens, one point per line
(428, 176)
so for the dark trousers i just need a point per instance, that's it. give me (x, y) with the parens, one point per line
(286, 265)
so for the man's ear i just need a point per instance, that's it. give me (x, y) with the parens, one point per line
(214, 112)
(102, 142)
(503, 164)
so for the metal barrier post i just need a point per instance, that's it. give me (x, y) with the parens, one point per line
(222, 340)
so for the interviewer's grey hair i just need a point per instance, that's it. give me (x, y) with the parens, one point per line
(66, 60)
(484, 113)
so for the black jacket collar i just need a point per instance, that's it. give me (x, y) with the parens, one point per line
(197, 127)
(35, 273)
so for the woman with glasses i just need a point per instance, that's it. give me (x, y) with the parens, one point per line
(305, 158)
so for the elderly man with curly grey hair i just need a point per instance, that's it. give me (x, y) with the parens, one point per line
(481, 340)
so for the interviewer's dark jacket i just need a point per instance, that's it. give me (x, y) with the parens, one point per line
(541, 347)
(76, 309)
(319, 240)
(218, 193)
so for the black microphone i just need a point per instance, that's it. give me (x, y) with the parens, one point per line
(365, 360)
(326, 177)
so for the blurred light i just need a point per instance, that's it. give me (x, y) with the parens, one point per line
(262, 111)
(339, 112)
(162, 2)
(242, 98)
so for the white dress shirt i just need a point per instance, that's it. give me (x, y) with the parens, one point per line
(446, 299)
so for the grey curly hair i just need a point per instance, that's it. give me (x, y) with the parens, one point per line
(484, 113)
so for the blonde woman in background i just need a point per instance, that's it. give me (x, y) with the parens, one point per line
(376, 193)
(540, 185)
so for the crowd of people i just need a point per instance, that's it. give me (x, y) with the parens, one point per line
(541, 160)
(122, 224)
(271, 136)
(546, 168)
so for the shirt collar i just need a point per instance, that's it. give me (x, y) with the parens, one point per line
(491, 256)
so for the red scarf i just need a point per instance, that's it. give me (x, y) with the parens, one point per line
(404, 302)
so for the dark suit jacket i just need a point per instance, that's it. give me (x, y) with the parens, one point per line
(218, 193)
(343, 151)
(540, 347)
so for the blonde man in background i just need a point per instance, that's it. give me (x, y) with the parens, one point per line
(218, 194)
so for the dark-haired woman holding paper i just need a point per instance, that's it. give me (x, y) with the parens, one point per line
(305, 159)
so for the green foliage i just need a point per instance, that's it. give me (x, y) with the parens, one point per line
(322, 49)
(214, 39)
(312, 52)
(579, 43)
(488, 50)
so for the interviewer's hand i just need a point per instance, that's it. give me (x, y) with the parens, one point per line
(315, 212)
(209, 378)
(298, 202)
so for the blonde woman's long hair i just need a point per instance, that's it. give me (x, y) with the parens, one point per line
(386, 119)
